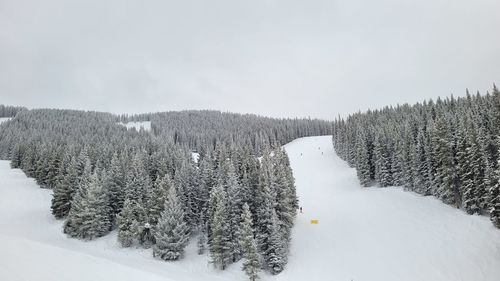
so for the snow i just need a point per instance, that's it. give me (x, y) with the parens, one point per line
(380, 233)
(4, 119)
(363, 234)
(146, 125)
(195, 156)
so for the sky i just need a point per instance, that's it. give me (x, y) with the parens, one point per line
(279, 58)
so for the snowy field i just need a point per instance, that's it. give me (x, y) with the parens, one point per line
(146, 125)
(4, 119)
(363, 234)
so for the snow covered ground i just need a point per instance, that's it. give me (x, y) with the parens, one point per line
(195, 156)
(146, 125)
(363, 234)
(4, 119)
(380, 233)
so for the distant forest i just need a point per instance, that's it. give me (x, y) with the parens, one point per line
(445, 148)
(9, 111)
(200, 130)
(237, 199)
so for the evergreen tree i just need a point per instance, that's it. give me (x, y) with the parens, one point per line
(445, 178)
(133, 223)
(364, 165)
(74, 219)
(157, 197)
(64, 191)
(251, 263)
(128, 221)
(172, 232)
(495, 201)
(235, 204)
(220, 230)
(275, 253)
(116, 185)
(91, 219)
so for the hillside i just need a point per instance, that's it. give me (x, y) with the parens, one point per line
(363, 234)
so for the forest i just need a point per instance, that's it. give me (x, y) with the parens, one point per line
(448, 148)
(238, 199)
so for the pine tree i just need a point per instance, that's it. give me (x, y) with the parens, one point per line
(132, 221)
(466, 173)
(15, 157)
(64, 191)
(116, 185)
(172, 232)
(74, 220)
(91, 219)
(235, 204)
(445, 177)
(382, 162)
(494, 193)
(421, 165)
(128, 221)
(157, 197)
(53, 168)
(186, 181)
(364, 165)
(286, 197)
(251, 263)
(220, 230)
(275, 253)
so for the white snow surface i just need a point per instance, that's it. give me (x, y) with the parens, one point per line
(4, 119)
(195, 156)
(363, 234)
(146, 125)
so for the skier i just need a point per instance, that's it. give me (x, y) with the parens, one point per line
(300, 209)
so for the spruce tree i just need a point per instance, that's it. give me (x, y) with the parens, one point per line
(276, 251)
(133, 220)
(445, 177)
(494, 193)
(127, 223)
(116, 185)
(64, 191)
(251, 263)
(364, 165)
(220, 244)
(91, 218)
(172, 232)
(74, 220)
(157, 197)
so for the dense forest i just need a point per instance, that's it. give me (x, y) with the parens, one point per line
(448, 148)
(237, 199)
(9, 111)
(199, 130)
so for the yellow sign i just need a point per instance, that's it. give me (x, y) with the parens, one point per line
(314, 221)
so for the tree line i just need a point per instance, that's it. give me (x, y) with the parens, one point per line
(199, 129)
(239, 202)
(448, 149)
(9, 111)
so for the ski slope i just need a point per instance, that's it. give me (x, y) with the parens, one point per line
(145, 125)
(4, 119)
(363, 234)
(383, 234)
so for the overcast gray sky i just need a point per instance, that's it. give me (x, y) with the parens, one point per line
(277, 58)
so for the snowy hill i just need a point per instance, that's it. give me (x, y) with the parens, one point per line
(363, 234)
